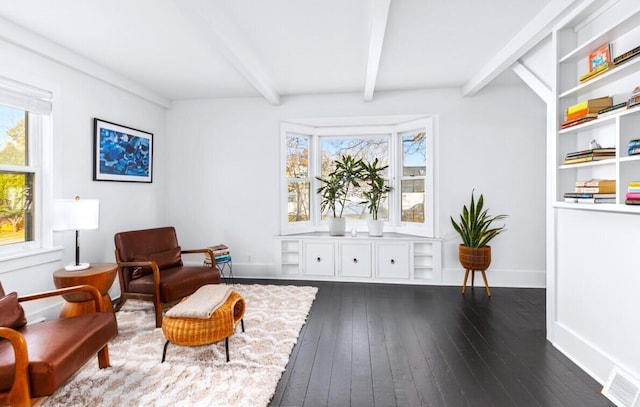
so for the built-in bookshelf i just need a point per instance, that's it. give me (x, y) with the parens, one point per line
(574, 45)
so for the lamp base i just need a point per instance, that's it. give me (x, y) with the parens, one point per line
(77, 267)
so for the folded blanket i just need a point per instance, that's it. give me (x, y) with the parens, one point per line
(202, 303)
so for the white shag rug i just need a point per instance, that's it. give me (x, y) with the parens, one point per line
(195, 376)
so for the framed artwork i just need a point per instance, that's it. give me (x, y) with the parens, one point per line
(121, 153)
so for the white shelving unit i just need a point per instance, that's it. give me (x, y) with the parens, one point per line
(573, 48)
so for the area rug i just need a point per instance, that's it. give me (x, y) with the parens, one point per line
(195, 376)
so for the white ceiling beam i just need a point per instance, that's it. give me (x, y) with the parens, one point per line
(25, 39)
(212, 23)
(533, 82)
(530, 35)
(378, 27)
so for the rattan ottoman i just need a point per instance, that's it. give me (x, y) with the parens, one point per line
(196, 331)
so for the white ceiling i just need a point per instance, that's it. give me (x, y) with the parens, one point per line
(185, 49)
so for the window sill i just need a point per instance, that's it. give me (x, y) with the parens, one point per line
(30, 258)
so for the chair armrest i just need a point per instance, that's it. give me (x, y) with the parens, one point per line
(97, 297)
(20, 389)
(148, 263)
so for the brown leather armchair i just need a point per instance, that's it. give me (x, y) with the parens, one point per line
(150, 267)
(35, 360)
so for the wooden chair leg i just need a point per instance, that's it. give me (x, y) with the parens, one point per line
(486, 284)
(464, 284)
(103, 358)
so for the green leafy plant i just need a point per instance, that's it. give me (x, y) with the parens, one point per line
(475, 224)
(334, 190)
(377, 189)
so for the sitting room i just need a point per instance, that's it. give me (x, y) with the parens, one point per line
(295, 203)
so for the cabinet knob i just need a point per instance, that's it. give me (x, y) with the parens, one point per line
(318, 259)
(355, 260)
(393, 261)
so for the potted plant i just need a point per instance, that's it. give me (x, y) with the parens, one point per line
(476, 232)
(376, 191)
(334, 191)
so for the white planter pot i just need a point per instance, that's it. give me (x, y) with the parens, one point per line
(337, 226)
(375, 227)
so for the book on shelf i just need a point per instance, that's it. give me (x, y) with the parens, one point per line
(633, 189)
(581, 114)
(601, 102)
(595, 152)
(595, 72)
(633, 195)
(613, 109)
(571, 123)
(634, 184)
(595, 190)
(590, 200)
(600, 57)
(626, 56)
(634, 100)
(586, 159)
(632, 201)
(588, 195)
(595, 182)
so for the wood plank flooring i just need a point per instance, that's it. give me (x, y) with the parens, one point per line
(395, 345)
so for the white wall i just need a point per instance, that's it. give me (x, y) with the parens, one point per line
(223, 170)
(77, 99)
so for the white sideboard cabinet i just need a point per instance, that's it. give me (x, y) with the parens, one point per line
(393, 257)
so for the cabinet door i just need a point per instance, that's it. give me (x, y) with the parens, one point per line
(318, 258)
(355, 259)
(392, 260)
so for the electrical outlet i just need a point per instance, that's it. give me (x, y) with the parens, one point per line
(249, 259)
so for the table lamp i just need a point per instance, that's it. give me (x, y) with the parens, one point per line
(76, 214)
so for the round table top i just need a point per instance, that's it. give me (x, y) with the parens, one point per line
(95, 268)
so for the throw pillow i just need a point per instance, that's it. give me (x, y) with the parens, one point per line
(166, 259)
(11, 312)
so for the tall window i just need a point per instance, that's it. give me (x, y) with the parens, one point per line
(16, 177)
(22, 108)
(297, 175)
(405, 146)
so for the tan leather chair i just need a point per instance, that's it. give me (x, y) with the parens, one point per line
(150, 267)
(35, 360)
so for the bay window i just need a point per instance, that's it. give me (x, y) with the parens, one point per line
(404, 144)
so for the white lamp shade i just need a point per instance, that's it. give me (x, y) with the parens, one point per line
(76, 214)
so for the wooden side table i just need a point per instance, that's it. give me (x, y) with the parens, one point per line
(99, 275)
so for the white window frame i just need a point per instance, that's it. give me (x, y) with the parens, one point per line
(390, 126)
(38, 103)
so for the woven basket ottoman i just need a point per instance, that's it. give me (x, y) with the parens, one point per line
(209, 315)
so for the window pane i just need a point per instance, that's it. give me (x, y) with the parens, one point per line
(297, 157)
(414, 153)
(298, 201)
(13, 136)
(366, 148)
(16, 207)
(413, 197)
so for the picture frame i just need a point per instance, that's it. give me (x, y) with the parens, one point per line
(121, 153)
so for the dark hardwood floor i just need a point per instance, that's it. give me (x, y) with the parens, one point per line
(395, 345)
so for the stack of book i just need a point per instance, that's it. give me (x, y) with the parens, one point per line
(633, 146)
(626, 56)
(593, 191)
(585, 111)
(221, 254)
(594, 154)
(633, 193)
